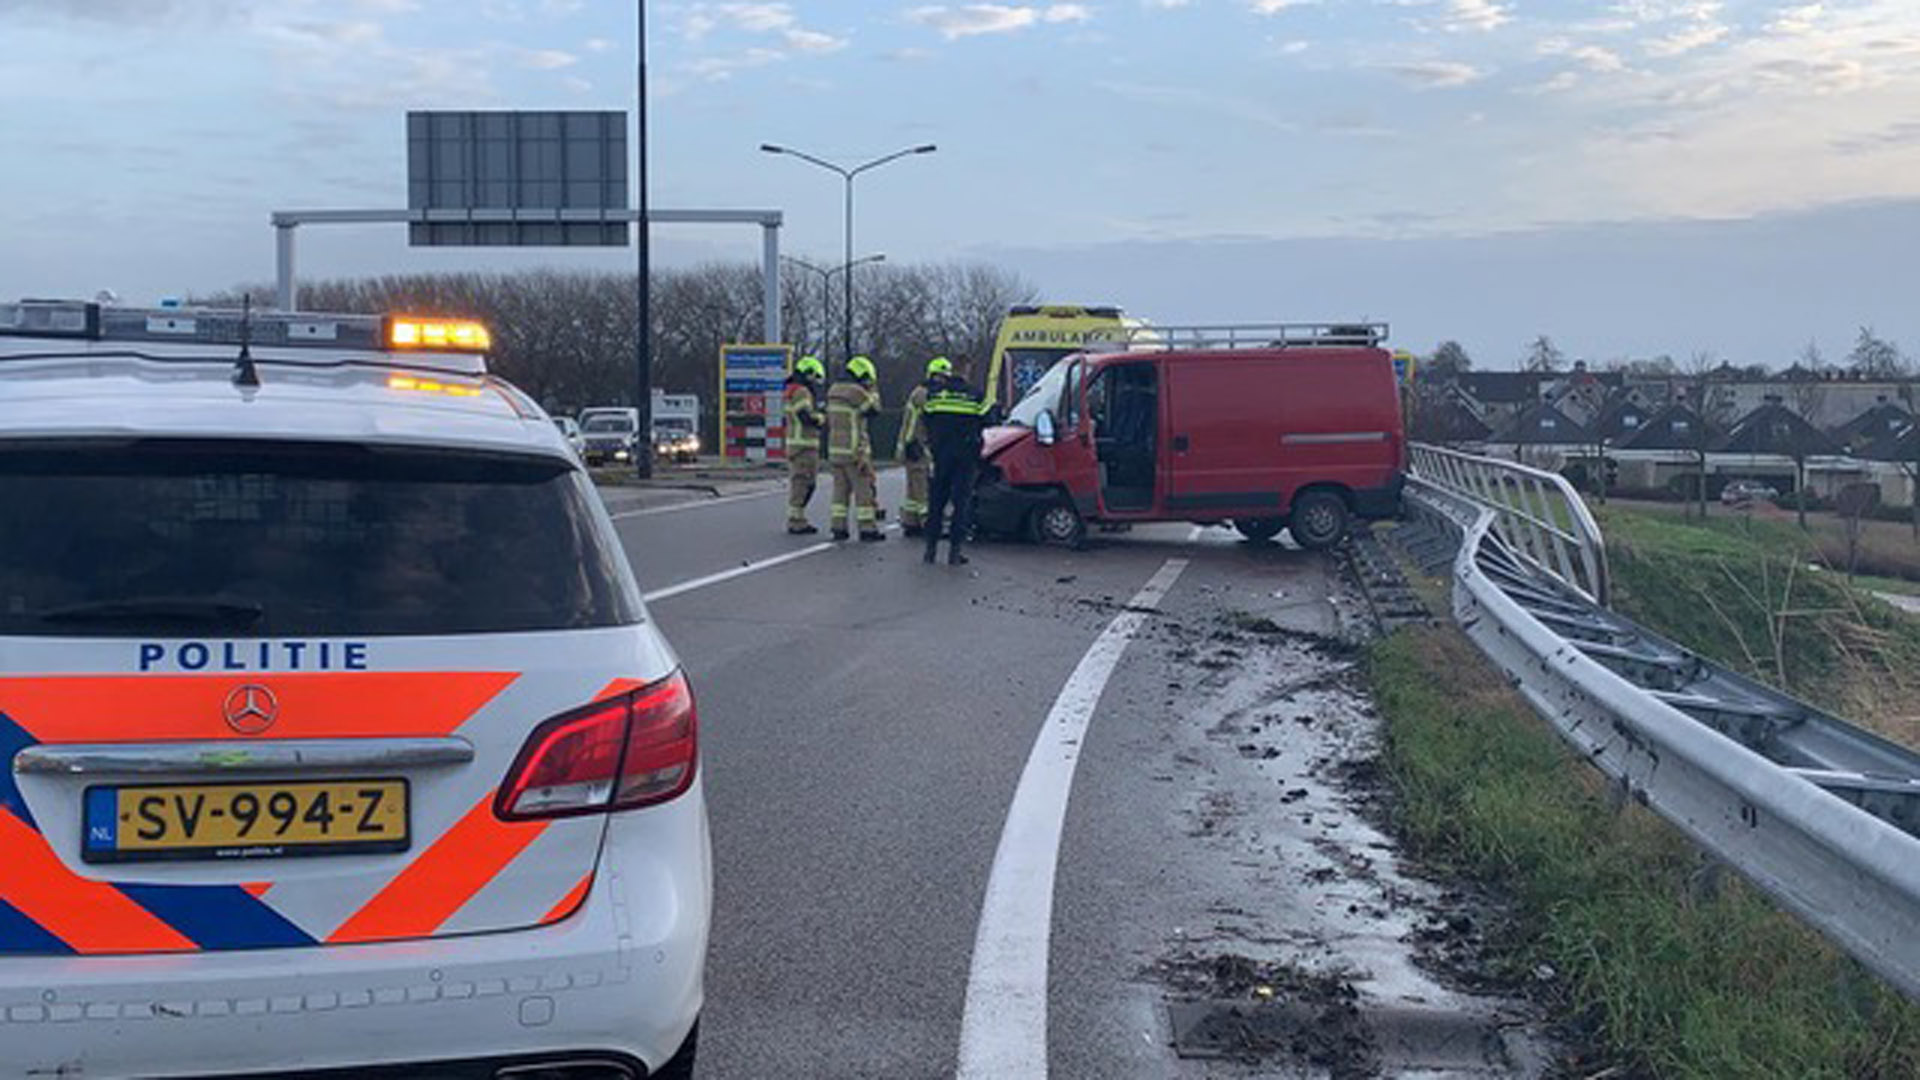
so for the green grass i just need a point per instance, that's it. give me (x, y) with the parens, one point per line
(1671, 978)
(1745, 592)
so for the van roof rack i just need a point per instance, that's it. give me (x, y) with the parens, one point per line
(1242, 336)
(29, 330)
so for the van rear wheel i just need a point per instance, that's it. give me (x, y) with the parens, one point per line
(1059, 524)
(1319, 520)
(1259, 529)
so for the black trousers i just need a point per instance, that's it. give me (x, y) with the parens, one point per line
(953, 476)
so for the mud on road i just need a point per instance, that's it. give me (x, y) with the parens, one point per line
(1309, 946)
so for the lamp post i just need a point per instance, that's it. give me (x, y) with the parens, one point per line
(848, 174)
(643, 437)
(826, 286)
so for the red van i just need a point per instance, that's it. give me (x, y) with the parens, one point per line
(1267, 428)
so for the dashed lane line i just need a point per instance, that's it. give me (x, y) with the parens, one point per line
(751, 568)
(696, 504)
(1003, 1030)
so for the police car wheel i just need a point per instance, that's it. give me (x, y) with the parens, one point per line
(1058, 524)
(1319, 520)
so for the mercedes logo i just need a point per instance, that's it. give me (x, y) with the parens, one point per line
(251, 709)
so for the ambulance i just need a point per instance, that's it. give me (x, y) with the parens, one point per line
(335, 738)
(1033, 338)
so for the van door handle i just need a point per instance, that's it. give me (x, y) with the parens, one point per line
(1179, 444)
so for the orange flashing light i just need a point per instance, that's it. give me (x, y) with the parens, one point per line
(432, 386)
(464, 335)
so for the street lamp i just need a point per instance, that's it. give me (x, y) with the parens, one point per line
(848, 175)
(643, 236)
(826, 286)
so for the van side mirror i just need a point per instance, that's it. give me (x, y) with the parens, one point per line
(1045, 428)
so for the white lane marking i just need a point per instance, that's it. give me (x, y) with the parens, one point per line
(1003, 1030)
(752, 567)
(738, 571)
(694, 504)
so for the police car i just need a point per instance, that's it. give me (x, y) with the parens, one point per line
(336, 738)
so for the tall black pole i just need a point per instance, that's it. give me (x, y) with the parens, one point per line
(643, 235)
(846, 264)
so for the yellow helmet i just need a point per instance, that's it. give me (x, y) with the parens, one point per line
(811, 367)
(939, 365)
(862, 368)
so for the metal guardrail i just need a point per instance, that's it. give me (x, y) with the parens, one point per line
(1821, 815)
(1539, 517)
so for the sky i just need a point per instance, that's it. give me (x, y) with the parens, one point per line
(1629, 176)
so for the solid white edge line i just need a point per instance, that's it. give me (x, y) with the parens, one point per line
(738, 571)
(1003, 1029)
(695, 504)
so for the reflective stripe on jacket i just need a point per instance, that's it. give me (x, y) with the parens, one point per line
(849, 404)
(911, 429)
(803, 417)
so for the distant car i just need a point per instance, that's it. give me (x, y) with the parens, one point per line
(570, 428)
(610, 437)
(678, 444)
(1741, 492)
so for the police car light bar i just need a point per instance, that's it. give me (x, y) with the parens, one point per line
(463, 335)
(406, 341)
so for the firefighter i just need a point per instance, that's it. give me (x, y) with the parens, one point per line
(851, 404)
(912, 448)
(805, 424)
(956, 413)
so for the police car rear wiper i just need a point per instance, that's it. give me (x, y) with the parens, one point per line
(158, 610)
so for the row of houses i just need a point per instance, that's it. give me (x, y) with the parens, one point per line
(1653, 432)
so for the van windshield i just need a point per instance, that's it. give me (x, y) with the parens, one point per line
(1044, 395)
(601, 425)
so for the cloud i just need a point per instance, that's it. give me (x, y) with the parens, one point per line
(757, 20)
(546, 59)
(1251, 111)
(1481, 15)
(1275, 7)
(970, 20)
(812, 41)
(722, 68)
(1436, 74)
(1795, 21)
(1595, 58)
(1164, 5)
(1685, 41)
(597, 45)
(907, 55)
(577, 85)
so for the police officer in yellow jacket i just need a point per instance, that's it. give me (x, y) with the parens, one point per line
(806, 423)
(913, 451)
(851, 404)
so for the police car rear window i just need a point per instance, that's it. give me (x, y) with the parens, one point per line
(271, 539)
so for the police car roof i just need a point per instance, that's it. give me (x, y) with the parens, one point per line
(84, 388)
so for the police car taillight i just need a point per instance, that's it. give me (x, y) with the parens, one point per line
(623, 753)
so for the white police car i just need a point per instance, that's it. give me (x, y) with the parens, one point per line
(334, 737)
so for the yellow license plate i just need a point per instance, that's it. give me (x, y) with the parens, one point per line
(251, 819)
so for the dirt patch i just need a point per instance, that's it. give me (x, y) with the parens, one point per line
(1237, 1008)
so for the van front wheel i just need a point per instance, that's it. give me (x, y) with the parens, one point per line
(1059, 524)
(1259, 529)
(1319, 520)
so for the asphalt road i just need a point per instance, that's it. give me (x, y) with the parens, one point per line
(867, 721)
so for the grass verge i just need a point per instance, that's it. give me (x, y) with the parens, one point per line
(1673, 972)
(1747, 593)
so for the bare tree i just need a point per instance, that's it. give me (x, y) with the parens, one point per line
(1809, 389)
(1543, 356)
(1854, 503)
(1875, 357)
(1699, 370)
